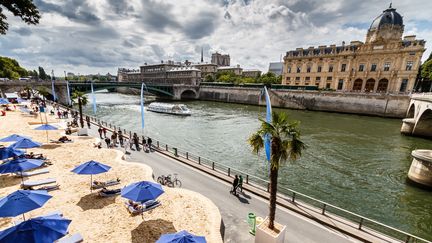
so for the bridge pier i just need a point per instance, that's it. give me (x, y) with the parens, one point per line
(407, 126)
(420, 171)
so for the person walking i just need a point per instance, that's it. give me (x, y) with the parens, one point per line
(113, 139)
(149, 142)
(136, 141)
(104, 131)
(240, 183)
(234, 184)
(126, 145)
(100, 131)
(108, 142)
(88, 121)
(120, 137)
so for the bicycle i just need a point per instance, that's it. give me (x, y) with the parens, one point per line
(167, 181)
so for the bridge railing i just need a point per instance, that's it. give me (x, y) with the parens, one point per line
(349, 218)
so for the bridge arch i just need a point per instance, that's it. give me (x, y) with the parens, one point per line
(423, 125)
(188, 94)
(411, 111)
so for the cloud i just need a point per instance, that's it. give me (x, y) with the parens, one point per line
(98, 36)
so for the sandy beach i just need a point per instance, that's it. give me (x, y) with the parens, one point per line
(100, 219)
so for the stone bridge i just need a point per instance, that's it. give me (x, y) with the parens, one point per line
(167, 91)
(419, 116)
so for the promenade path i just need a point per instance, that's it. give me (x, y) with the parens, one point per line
(234, 210)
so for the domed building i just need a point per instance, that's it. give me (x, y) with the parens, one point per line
(385, 63)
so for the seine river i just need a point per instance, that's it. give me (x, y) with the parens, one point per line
(355, 162)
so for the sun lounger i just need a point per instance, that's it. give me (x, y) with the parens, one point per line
(75, 238)
(57, 141)
(29, 184)
(47, 188)
(32, 173)
(99, 185)
(145, 207)
(109, 193)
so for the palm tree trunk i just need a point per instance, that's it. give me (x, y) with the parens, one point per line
(273, 190)
(80, 111)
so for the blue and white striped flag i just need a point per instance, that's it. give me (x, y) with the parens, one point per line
(267, 137)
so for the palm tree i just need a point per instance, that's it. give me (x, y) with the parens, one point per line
(82, 100)
(285, 145)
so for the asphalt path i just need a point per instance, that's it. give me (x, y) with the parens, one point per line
(235, 209)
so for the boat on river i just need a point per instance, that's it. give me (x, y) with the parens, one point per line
(174, 109)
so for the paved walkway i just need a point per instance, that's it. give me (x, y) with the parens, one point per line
(234, 210)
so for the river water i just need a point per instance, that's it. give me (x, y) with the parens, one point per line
(355, 162)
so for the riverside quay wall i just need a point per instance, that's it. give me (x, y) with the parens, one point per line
(385, 105)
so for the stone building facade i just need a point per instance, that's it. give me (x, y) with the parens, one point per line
(206, 69)
(251, 73)
(385, 63)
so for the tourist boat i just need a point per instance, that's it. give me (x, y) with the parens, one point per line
(174, 109)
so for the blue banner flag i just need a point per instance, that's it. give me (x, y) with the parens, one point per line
(267, 137)
(142, 106)
(53, 90)
(93, 99)
(68, 93)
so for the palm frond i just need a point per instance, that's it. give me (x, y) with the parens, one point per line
(256, 142)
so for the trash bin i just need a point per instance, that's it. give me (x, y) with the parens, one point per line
(252, 223)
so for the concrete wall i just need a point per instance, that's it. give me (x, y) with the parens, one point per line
(364, 104)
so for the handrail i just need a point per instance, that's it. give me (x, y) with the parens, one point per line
(362, 219)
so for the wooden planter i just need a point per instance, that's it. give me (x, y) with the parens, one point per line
(265, 235)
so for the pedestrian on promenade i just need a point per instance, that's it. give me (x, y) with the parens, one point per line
(108, 142)
(100, 131)
(104, 131)
(59, 114)
(126, 145)
(240, 183)
(113, 139)
(136, 141)
(88, 121)
(145, 145)
(234, 184)
(149, 142)
(120, 137)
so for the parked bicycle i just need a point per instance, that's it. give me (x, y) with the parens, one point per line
(168, 181)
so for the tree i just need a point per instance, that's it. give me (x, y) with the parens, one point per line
(82, 100)
(43, 91)
(42, 74)
(209, 78)
(285, 145)
(269, 78)
(10, 68)
(25, 9)
(426, 70)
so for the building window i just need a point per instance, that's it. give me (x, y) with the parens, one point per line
(331, 68)
(340, 84)
(386, 66)
(318, 79)
(409, 65)
(288, 78)
(329, 78)
(328, 85)
(319, 69)
(316, 84)
(308, 69)
(307, 78)
(289, 69)
(404, 85)
(298, 69)
(343, 68)
(361, 67)
(373, 67)
(297, 78)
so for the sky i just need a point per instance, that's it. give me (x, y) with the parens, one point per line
(99, 36)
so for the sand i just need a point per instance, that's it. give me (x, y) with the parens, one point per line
(106, 219)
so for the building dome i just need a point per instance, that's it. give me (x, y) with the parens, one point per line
(388, 17)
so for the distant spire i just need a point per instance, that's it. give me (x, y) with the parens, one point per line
(390, 5)
(202, 55)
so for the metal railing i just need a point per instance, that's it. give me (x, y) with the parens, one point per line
(352, 219)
